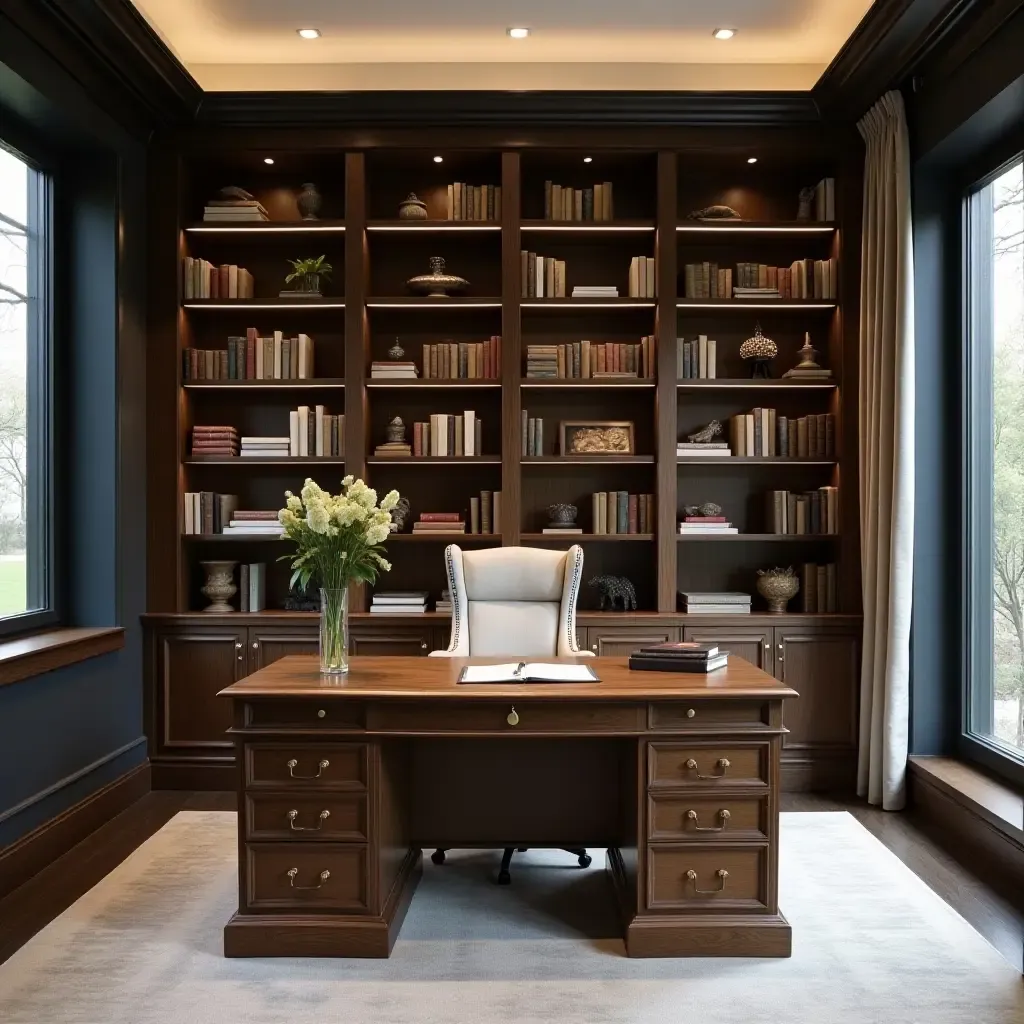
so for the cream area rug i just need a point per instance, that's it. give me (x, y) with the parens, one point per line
(871, 943)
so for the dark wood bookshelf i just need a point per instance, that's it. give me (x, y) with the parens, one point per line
(587, 382)
(586, 538)
(434, 460)
(736, 384)
(321, 305)
(588, 227)
(448, 538)
(746, 460)
(437, 304)
(743, 228)
(760, 538)
(432, 225)
(465, 383)
(267, 228)
(311, 383)
(571, 303)
(256, 461)
(587, 460)
(778, 305)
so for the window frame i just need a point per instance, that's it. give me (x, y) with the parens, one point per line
(42, 583)
(976, 351)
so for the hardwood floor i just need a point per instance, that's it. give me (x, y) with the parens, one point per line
(29, 909)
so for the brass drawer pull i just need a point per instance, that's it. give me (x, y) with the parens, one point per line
(512, 717)
(723, 815)
(292, 872)
(324, 815)
(722, 762)
(690, 713)
(320, 770)
(721, 874)
(321, 713)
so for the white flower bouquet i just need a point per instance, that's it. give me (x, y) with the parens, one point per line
(339, 540)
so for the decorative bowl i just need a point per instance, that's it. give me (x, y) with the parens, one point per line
(778, 587)
(562, 514)
(412, 208)
(437, 284)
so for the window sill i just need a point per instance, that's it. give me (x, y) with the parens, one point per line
(56, 648)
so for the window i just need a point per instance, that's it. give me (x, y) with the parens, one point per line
(26, 520)
(993, 720)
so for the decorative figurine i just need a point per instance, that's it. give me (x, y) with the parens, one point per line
(808, 368)
(806, 198)
(615, 590)
(396, 351)
(707, 435)
(778, 587)
(219, 586)
(396, 431)
(563, 516)
(707, 510)
(437, 284)
(308, 201)
(717, 212)
(398, 514)
(412, 208)
(306, 276)
(762, 351)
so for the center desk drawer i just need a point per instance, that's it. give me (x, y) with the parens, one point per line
(293, 876)
(300, 714)
(704, 877)
(678, 765)
(339, 817)
(707, 714)
(305, 765)
(506, 716)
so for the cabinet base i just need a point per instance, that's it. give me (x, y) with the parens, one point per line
(324, 935)
(720, 935)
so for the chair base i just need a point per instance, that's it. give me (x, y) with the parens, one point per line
(504, 874)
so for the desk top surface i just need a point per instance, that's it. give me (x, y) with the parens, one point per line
(405, 677)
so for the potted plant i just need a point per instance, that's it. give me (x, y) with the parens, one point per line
(339, 541)
(306, 274)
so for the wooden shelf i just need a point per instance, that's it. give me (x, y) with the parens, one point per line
(318, 305)
(432, 382)
(763, 227)
(424, 302)
(268, 228)
(725, 384)
(745, 460)
(312, 383)
(773, 538)
(569, 303)
(434, 460)
(588, 227)
(238, 460)
(587, 382)
(586, 538)
(588, 460)
(734, 305)
(448, 538)
(229, 538)
(426, 226)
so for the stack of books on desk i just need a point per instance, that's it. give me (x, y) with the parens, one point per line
(678, 657)
(439, 522)
(706, 525)
(266, 447)
(254, 523)
(711, 603)
(399, 602)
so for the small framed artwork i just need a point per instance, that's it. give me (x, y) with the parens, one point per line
(596, 437)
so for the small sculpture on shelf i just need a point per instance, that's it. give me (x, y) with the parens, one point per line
(778, 587)
(717, 212)
(708, 509)
(808, 368)
(305, 275)
(396, 431)
(412, 208)
(563, 516)
(761, 351)
(437, 284)
(614, 591)
(707, 434)
(303, 598)
(806, 198)
(308, 202)
(398, 514)
(396, 444)
(396, 351)
(219, 586)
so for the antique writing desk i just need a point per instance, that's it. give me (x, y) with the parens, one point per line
(342, 784)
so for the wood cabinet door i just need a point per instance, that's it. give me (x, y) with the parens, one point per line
(823, 667)
(267, 645)
(622, 641)
(415, 641)
(192, 666)
(751, 644)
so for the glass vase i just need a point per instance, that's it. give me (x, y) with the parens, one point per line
(333, 631)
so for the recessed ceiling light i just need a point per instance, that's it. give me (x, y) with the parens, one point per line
(588, 159)
(724, 33)
(751, 159)
(438, 159)
(518, 33)
(309, 33)
(268, 159)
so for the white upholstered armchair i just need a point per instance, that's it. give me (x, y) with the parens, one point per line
(516, 603)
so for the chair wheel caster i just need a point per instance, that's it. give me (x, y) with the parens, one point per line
(585, 861)
(437, 856)
(522, 849)
(504, 878)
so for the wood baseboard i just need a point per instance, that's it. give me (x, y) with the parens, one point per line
(723, 935)
(31, 853)
(819, 774)
(195, 776)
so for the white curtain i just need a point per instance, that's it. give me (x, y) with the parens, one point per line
(886, 426)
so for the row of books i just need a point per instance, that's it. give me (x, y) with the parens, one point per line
(813, 512)
(398, 602)
(214, 440)
(622, 512)
(252, 358)
(584, 359)
(761, 433)
(533, 435)
(803, 279)
(715, 602)
(442, 435)
(643, 277)
(541, 277)
(207, 512)
(252, 587)
(474, 202)
(484, 517)
(564, 203)
(819, 588)
(200, 279)
(678, 657)
(472, 360)
(234, 210)
(707, 281)
(825, 199)
(697, 359)
(314, 431)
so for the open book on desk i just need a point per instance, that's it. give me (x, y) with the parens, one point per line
(528, 672)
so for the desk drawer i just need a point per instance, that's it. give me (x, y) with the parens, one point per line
(303, 714)
(707, 714)
(494, 716)
(338, 817)
(291, 876)
(707, 818)
(703, 877)
(680, 765)
(305, 765)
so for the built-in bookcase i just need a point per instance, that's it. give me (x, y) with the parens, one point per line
(366, 306)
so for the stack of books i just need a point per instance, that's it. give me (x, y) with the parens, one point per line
(706, 526)
(399, 602)
(474, 202)
(541, 277)
(621, 512)
(252, 587)
(585, 360)
(715, 603)
(254, 523)
(755, 293)
(564, 203)
(679, 657)
(200, 279)
(485, 513)
(207, 512)
(698, 359)
(445, 435)
(234, 210)
(712, 449)
(314, 431)
(266, 447)
(214, 442)
(444, 603)
(642, 277)
(393, 370)
(814, 512)
(393, 450)
(252, 358)
(595, 291)
(439, 522)
(464, 360)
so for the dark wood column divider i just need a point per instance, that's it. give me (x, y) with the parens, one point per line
(511, 347)
(665, 433)
(357, 335)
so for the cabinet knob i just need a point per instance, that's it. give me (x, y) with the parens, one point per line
(512, 717)
(593, 647)
(255, 645)
(423, 647)
(780, 647)
(767, 646)
(690, 713)
(238, 646)
(321, 713)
